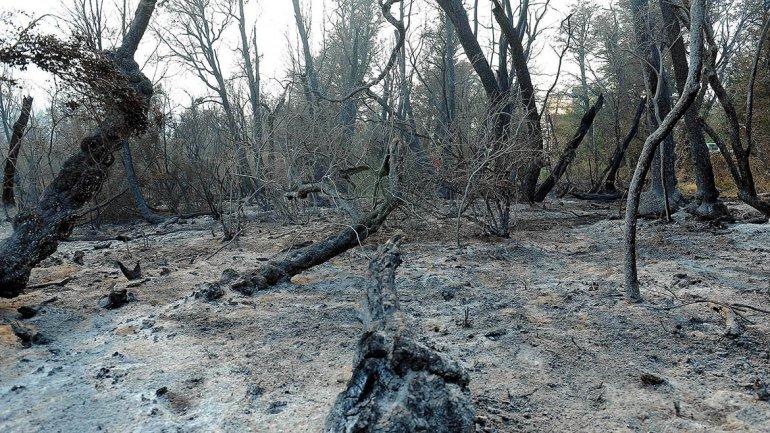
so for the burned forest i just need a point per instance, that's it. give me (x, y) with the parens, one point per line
(385, 216)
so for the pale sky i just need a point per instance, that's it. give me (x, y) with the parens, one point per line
(275, 31)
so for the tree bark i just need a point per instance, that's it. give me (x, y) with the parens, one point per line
(37, 233)
(609, 176)
(283, 267)
(662, 170)
(569, 152)
(740, 167)
(397, 383)
(527, 94)
(707, 203)
(690, 92)
(459, 18)
(136, 191)
(14, 146)
(311, 76)
(253, 79)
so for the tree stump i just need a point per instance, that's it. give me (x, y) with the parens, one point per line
(398, 384)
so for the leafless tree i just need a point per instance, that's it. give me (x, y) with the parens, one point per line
(194, 38)
(689, 94)
(37, 232)
(14, 146)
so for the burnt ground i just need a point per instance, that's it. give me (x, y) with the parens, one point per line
(539, 320)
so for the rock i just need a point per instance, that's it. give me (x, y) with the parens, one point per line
(27, 312)
(116, 299)
(209, 292)
(228, 275)
(77, 257)
(651, 379)
(102, 246)
(28, 335)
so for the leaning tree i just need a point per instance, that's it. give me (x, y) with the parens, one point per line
(115, 83)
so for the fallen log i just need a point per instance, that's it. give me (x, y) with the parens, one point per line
(295, 261)
(398, 384)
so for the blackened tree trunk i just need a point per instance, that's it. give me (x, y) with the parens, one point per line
(653, 201)
(399, 384)
(283, 267)
(608, 178)
(136, 191)
(738, 156)
(528, 95)
(707, 203)
(569, 151)
(691, 89)
(253, 80)
(311, 76)
(37, 233)
(14, 147)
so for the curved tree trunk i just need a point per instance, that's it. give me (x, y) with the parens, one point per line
(37, 233)
(136, 191)
(569, 152)
(690, 92)
(14, 147)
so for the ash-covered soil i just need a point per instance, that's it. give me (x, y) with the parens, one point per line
(539, 320)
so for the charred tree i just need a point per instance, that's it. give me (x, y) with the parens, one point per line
(737, 156)
(527, 93)
(569, 151)
(663, 179)
(311, 76)
(498, 90)
(37, 232)
(14, 146)
(284, 266)
(690, 92)
(606, 184)
(706, 203)
(136, 191)
(398, 384)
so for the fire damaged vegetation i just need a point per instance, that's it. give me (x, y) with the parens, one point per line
(106, 81)
(576, 199)
(398, 384)
(114, 79)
